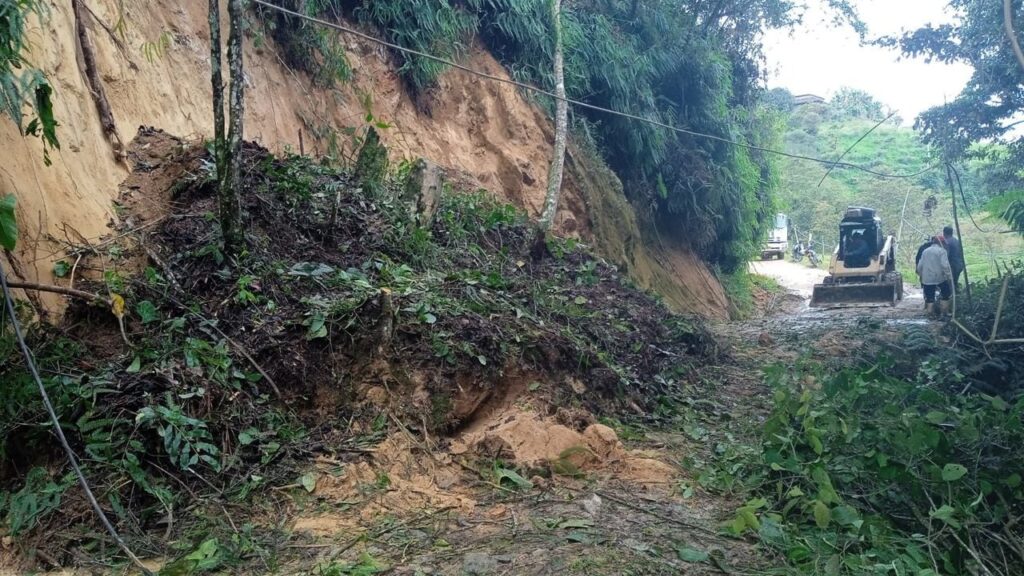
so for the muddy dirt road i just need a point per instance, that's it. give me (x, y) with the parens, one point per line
(800, 278)
(796, 276)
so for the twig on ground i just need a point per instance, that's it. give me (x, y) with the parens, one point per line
(74, 268)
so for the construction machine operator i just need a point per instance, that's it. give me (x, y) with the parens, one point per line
(858, 253)
(936, 276)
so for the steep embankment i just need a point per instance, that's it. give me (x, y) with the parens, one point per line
(484, 130)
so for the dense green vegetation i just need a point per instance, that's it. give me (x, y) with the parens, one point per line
(904, 460)
(828, 130)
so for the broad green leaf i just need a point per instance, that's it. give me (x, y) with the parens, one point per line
(947, 514)
(846, 516)
(687, 554)
(578, 537)
(502, 474)
(749, 518)
(953, 472)
(822, 514)
(247, 436)
(61, 268)
(135, 366)
(815, 442)
(575, 523)
(147, 311)
(308, 481)
(756, 503)
(8, 225)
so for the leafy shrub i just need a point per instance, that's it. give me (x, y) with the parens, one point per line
(863, 472)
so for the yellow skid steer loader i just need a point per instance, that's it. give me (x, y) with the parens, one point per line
(863, 266)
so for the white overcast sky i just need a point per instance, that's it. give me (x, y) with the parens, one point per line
(818, 58)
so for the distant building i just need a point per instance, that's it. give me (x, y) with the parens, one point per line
(801, 99)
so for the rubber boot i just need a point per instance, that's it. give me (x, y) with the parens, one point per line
(929, 308)
(944, 308)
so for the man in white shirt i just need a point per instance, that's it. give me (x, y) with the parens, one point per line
(936, 275)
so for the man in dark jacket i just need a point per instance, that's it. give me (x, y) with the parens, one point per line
(956, 255)
(920, 250)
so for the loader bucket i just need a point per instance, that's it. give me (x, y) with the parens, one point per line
(837, 295)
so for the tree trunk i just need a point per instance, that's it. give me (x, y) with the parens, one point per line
(217, 80)
(547, 218)
(230, 210)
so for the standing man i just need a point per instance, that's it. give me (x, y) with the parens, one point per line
(936, 275)
(956, 255)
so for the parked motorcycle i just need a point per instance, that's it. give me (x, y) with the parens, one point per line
(813, 258)
(799, 251)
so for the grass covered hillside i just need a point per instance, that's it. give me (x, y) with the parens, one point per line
(815, 206)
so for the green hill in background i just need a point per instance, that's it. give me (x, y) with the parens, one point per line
(911, 208)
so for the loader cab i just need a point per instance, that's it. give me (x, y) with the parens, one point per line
(860, 237)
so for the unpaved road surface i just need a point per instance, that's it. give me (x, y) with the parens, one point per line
(799, 277)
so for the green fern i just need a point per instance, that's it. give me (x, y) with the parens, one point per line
(430, 26)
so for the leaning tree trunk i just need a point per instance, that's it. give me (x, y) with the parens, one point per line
(92, 77)
(547, 218)
(230, 210)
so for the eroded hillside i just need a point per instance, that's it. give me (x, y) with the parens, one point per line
(487, 132)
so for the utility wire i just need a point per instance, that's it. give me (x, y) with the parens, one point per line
(446, 62)
(963, 197)
(9, 304)
(854, 145)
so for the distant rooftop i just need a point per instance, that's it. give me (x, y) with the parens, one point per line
(801, 99)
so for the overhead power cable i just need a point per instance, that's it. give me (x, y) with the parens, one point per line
(30, 362)
(531, 88)
(959, 184)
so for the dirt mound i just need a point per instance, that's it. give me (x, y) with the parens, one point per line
(469, 300)
(346, 327)
(524, 438)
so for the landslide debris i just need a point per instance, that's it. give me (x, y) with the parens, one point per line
(354, 317)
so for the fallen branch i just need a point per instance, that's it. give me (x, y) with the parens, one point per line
(386, 327)
(95, 298)
(378, 533)
(113, 36)
(241, 350)
(992, 339)
(92, 77)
